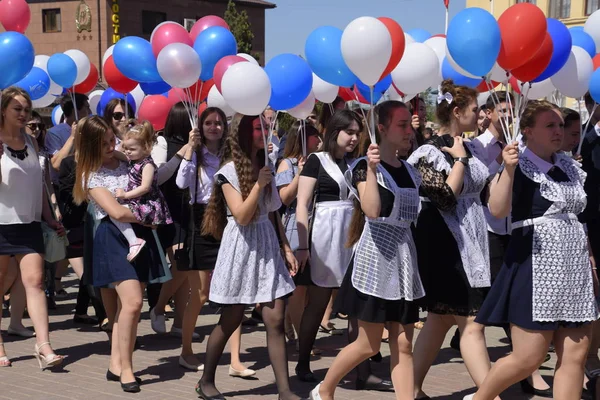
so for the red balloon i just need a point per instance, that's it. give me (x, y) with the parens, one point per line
(116, 79)
(523, 29)
(359, 97)
(398, 44)
(596, 62)
(483, 87)
(207, 22)
(201, 109)
(439, 35)
(166, 34)
(155, 109)
(514, 84)
(538, 64)
(222, 66)
(90, 82)
(175, 95)
(346, 94)
(198, 92)
(15, 15)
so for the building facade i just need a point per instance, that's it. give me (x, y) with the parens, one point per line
(94, 25)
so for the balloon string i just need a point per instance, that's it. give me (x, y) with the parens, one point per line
(364, 116)
(272, 127)
(126, 107)
(264, 136)
(74, 103)
(587, 125)
(372, 119)
(330, 108)
(496, 101)
(580, 125)
(185, 106)
(302, 131)
(198, 103)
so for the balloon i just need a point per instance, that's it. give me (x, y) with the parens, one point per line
(94, 99)
(110, 94)
(367, 48)
(45, 100)
(57, 114)
(515, 84)
(536, 65)
(155, 109)
(596, 62)
(199, 90)
(408, 39)
(291, 81)
(584, 40)
(398, 44)
(450, 73)
(176, 95)
(592, 27)
(323, 51)
(207, 22)
(457, 67)
(539, 90)
(179, 65)
(304, 109)
(215, 99)
(419, 35)
(438, 45)
(62, 69)
(595, 86)
(482, 98)
(134, 58)
(107, 53)
(523, 28)
(90, 81)
(223, 65)
(246, 88)
(248, 57)
(574, 78)
(324, 91)
(202, 108)
(474, 40)
(561, 39)
(36, 83)
(498, 74)
(167, 34)
(483, 86)
(115, 79)
(346, 94)
(418, 69)
(211, 45)
(15, 15)
(82, 62)
(155, 87)
(138, 96)
(16, 58)
(378, 90)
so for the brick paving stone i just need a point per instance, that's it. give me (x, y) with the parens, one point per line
(83, 375)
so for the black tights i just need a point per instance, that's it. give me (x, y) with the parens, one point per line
(318, 298)
(273, 314)
(84, 296)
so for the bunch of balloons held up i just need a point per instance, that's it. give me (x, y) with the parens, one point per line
(523, 49)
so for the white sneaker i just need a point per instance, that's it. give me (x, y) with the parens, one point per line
(178, 332)
(314, 394)
(134, 250)
(157, 322)
(469, 397)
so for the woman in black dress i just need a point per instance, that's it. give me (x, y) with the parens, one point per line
(545, 290)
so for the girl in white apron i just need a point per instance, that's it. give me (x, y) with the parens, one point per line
(383, 279)
(451, 236)
(545, 289)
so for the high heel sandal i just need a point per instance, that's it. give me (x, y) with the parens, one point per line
(4, 360)
(49, 361)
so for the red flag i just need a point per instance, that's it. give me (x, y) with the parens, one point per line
(446, 3)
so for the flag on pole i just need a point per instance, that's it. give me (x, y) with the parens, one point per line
(446, 3)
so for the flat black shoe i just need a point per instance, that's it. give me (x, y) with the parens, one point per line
(383, 386)
(116, 378)
(306, 376)
(86, 320)
(377, 358)
(455, 342)
(131, 387)
(527, 388)
(205, 397)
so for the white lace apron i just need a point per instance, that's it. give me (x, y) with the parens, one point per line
(561, 273)
(329, 257)
(467, 221)
(385, 258)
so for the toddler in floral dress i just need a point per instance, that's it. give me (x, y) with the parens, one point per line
(143, 196)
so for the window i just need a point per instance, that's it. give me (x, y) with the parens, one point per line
(150, 19)
(560, 9)
(51, 20)
(527, 1)
(591, 6)
(188, 23)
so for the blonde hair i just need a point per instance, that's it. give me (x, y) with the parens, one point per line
(8, 95)
(143, 133)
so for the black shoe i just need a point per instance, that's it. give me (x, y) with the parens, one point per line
(51, 303)
(306, 376)
(205, 397)
(382, 386)
(527, 388)
(131, 387)
(455, 342)
(256, 316)
(377, 358)
(86, 320)
(116, 378)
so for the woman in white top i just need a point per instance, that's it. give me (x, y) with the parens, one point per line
(23, 202)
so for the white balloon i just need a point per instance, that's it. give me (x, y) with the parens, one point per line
(83, 64)
(408, 39)
(57, 114)
(367, 48)
(41, 61)
(418, 70)
(498, 74)
(592, 27)
(94, 100)
(248, 57)
(107, 54)
(43, 101)
(215, 99)
(246, 88)
(438, 44)
(179, 65)
(573, 80)
(457, 67)
(538, 90)
(324, 91)
(482, 98)
(304, 109)
(138, 96)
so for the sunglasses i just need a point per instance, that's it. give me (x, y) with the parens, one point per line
(35, 126)
(118, 116)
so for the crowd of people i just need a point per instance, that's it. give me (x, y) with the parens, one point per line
(459, 223)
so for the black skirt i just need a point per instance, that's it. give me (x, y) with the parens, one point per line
(373, 309)
(203, 250)
(21, 239)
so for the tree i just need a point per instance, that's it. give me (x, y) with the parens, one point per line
(239, 24)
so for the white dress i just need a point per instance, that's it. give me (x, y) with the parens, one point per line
(249, 267)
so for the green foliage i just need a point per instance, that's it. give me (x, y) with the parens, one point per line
(239, 24)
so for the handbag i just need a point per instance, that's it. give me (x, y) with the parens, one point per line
(55, 247)
(184, 255)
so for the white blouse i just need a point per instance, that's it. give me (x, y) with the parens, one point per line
(202, 184)
(111, 180)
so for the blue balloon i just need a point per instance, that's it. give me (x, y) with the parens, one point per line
(577, 28)
(212, 44)
(62, 70)
(36, 83)
(378, 90)
(150, 88)
(561, 39)
(110, 94)
(595, 86)
(323, 51)
(450, 73)
(56, 113)
(16, 58)
(291, 81)
(133, 56)
(584, 40)
(474, 40)
(420, 35)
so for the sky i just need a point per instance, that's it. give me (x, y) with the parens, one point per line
(288, 25)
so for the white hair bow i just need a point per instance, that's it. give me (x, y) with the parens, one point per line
(446, 96)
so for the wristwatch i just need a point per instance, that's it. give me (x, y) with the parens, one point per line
(464, 160)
